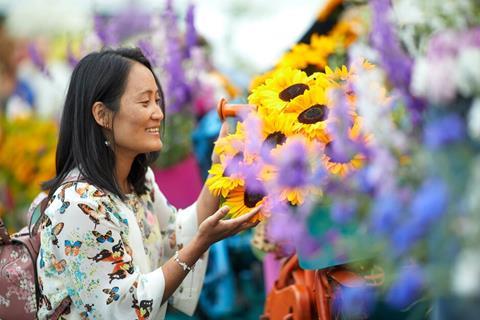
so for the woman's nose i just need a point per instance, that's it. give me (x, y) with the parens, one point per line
(157, 113)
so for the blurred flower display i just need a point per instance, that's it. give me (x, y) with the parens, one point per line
(27, 158)
(398, 142)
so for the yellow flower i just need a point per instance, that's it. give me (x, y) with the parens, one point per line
(311, 110)
(280, 89)
(241, 202)
(276, 127)
(232, 143)
(221, 184)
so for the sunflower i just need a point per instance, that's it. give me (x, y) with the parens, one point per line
(311, 110)
(276, 127)
(232, 143)
(220, 183)
(351, 162)
(241, 201)
(284, 86)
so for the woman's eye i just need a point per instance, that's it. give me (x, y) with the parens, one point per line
(157, 101)
(144, 103)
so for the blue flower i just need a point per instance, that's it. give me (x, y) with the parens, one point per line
(443, 131)
(407, 287)
(430, 202)
(386, 214)
(355, 302)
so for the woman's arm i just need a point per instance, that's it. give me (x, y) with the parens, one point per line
(208, 203)
(211, 230)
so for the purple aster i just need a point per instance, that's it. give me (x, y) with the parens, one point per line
(37, 59)
(443, 131)
(355, 301)
(396, 63)
(407, 287)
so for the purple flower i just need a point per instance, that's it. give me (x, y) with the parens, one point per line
(293, 165)
(407, 287)
(178, 91)
(128, 22)
(354, 301)
(38, 59)
(396, 63)
(190, 33)
(443, 131)
(72, 60)
(148, 51)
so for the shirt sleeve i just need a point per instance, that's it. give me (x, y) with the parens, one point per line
(90, 252)
(179, 227)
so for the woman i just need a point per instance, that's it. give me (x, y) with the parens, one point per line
(111, 245)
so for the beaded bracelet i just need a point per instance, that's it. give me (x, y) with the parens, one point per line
(182, 264)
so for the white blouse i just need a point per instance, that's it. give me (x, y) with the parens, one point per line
(106, 254)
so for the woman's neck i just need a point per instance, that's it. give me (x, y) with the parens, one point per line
(122, 170)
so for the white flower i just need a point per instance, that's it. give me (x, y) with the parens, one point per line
(466, 273)
(474, 120)
(433, 80)
(468, 72)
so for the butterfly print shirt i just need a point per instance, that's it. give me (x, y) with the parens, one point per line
(106, 254)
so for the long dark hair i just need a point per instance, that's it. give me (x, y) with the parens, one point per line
(99, 76)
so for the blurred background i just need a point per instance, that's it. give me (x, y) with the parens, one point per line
(228, 42)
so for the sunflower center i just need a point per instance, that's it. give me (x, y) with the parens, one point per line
(293, 91)
(252, 197)
(336, 155)
(314, 114)
(275, 138)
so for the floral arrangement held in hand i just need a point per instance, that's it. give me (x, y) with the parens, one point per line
(271, 157)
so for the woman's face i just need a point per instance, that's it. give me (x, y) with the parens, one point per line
(136, 125)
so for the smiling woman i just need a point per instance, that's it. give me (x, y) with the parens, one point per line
(111, 245)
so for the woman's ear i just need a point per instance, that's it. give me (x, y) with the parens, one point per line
(102, 115)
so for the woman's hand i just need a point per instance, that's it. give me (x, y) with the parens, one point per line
(214, 229)
(223, 133)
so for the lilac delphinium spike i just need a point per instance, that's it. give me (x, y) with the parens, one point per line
(293, 167)
(72, 60)
(37, 59)
(190, 32)
(148, 51)
(396, 63)
(178, 91)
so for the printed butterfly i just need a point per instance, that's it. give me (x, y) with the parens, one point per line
(113, 294)
(72, 248)
(56, 231)
(103, 237)
(90, 213)
(58, 265)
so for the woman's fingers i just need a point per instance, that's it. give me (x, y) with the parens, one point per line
(223, 130)
(221, 213)
(248, 216)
